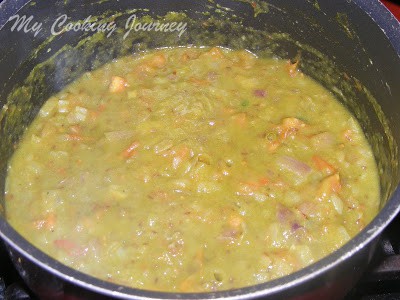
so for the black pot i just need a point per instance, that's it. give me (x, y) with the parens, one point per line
(351, 47)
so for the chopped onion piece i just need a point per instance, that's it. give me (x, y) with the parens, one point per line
(208, 187)
(118, 192)
(337, 203)
(80, 113)
(63, 106)
(58, 154)
(303, 254)
(47, 108)
(294, 165)
(36, 139)
(176, 162)
(323, 140)
(163, 146)
(260, 197)
(119, 135)
(260, 93)
(343, 234)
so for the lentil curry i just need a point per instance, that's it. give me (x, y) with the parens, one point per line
(192, 169)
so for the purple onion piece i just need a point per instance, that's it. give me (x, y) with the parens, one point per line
(294, 165)
(260, 93)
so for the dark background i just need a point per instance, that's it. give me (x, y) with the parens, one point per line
(393, 5)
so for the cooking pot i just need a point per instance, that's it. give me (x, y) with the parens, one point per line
(350, 47)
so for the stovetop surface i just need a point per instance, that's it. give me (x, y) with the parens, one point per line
(382, 279)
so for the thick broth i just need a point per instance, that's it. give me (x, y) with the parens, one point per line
(192, 169)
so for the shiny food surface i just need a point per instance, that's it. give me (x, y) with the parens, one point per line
(192, 169)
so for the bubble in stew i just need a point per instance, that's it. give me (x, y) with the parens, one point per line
(192, 169)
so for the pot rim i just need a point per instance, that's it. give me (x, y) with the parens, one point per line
(391, 28)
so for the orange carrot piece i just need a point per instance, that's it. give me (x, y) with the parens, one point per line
(263, 181)
(228, 110)
(252, 186)
(62, 171)
(185, 57)
(118, 84)
(94, 114)
(240, 119)
(289, 126)
(334, 182)
(76, 129)
(179, 155)
(183, 152)
(74, 137)
(235, 221)
(292, 122)
(329, 185)
(69, 247)
(131, 150)
(101, 107)
(293, 69)
(187, 285)
(158, 61)
(48, 222)
(216, 53)
(322, 165)
(274, 145)
(199, 258)
(348, 135)
(199, 81)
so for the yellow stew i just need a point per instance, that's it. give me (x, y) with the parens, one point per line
(192, 169)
